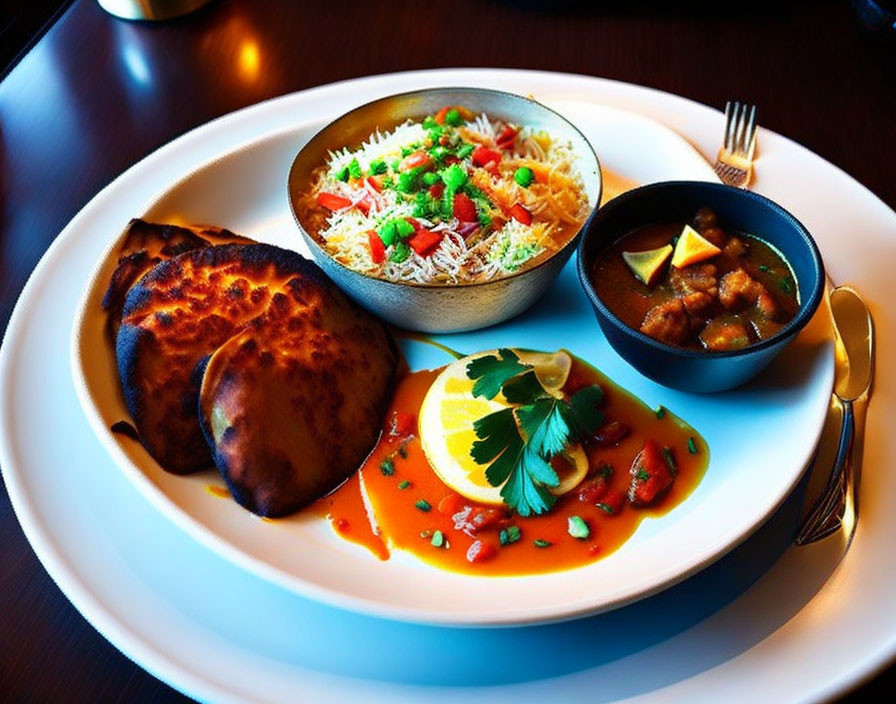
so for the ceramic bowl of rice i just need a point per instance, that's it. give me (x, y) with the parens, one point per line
(445, 209)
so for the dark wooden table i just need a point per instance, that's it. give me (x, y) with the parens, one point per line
(79, 109)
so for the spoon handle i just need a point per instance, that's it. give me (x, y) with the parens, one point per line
(818, 524)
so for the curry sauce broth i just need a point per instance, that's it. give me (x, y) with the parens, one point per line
(404, 525)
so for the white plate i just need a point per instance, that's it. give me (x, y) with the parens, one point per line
(804, 631)
(244, 191)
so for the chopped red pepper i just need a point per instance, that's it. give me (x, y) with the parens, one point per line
(424, 242)
(377, 249)
(591, 491)
(363, 205)
(440, 115)
(651, 474)
(436, 190)
(402, 424)
(480, 552)
(612, 501)
(483, 155)
(412, 222)
(375, 183)
(507, 137)
(611, 433)
(331, 201)
(520, 213)
(464, 208)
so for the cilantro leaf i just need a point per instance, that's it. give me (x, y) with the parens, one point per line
(545, 427)
(524, 494)
(585, 415)
(524, 388)
(492, 372)
(499, 443)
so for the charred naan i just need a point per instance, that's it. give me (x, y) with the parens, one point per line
(293, 404)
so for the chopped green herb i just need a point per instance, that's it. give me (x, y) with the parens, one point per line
(388, 183)
(400, 252)
(423, 505)
(354, 168)
(387, 467)
(429, 122)
(605, 470)
(438, 152)
(509, 535)
(692, 446)
(786, 285)
(454, 177)
(431, 178)
(540, 543)
(643, 475)
(438, 539)
(403, 484)
(395, 164)
(453, 118)
(606, 508)
(407, 151)
(660, 412)
(435, 132)
(484, 219)
(577, 528)
(670, 460)
(465, 150)
(378, 166)
(342, 174)
(764, 269)
(524, 176)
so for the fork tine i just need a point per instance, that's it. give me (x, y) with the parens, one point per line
(750, 145)
(741, 128)
(729, 125)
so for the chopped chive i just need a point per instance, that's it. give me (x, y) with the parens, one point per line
(643, 475)
(660, 412)
(540, 543)
(606, 508)
(438, 539)
(403, 484)
(423, 505)
(764, 269)
(387, 467)
(577, 528)
(786, 285)
(509, 535)
(692, 446)
(670, 459)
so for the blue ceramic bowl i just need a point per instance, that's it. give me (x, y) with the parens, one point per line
(693, 370)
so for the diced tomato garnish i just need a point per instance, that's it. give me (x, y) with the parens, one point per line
(613, 500)
(611, 433)
(507, 137)
(363, 205)
(375, 183)
(331, 201)
(464, 208)
(377, 249)
(412, 161)
(341, 525)
(402, 424)
(591, 491)
(412, 222)
(451, 159)
(651, 474)
(480, 552)
(520, 213)
(451, 504)
(424, 242)
(440, 115)
(436, 190)
(483, 155)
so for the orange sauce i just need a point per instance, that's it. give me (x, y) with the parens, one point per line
(399, 497)
(218, 490)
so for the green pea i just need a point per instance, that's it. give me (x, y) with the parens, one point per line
(524, 176)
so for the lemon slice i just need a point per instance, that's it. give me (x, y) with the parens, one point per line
(446, 427)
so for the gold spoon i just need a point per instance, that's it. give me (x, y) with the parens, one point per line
(854, 339)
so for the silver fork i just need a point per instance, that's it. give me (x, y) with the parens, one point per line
(734, 164)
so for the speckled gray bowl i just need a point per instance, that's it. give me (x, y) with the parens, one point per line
(443, 307)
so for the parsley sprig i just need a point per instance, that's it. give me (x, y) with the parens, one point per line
(519, 442)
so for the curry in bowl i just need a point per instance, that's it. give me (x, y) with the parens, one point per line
(697, 285)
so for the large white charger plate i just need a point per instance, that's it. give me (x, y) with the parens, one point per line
(244, 190)
(217, 632)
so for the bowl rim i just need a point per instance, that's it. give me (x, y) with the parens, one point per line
(565, 250)
(801, 319)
